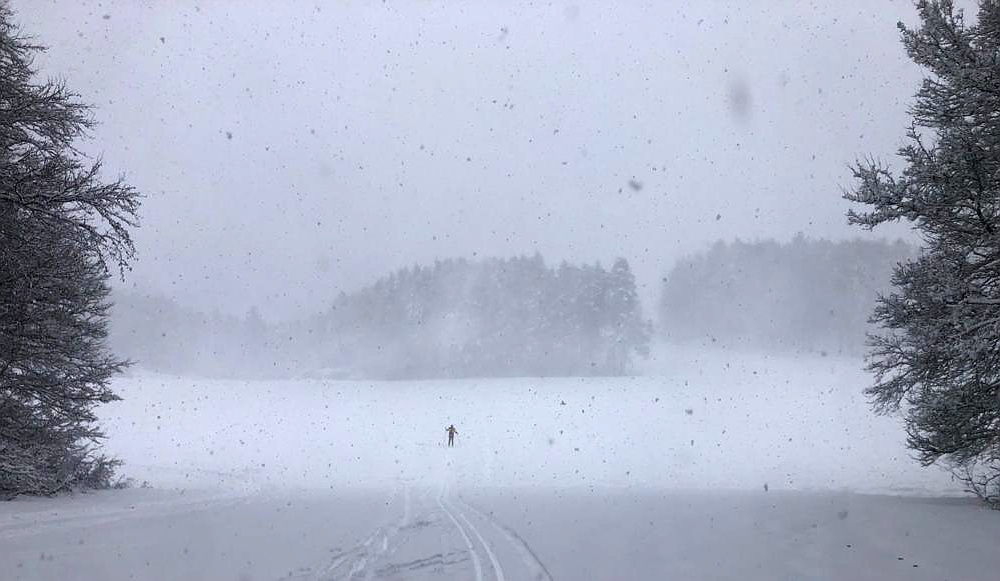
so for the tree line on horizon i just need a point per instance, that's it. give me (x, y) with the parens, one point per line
(520, 316)
(803, 296)
(494, 317)
(455, 318)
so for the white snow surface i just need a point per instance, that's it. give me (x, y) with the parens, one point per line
(655, 477)
(702, 419)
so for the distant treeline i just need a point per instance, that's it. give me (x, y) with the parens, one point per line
(455, 318)
(158, 334)
(496, 317)
(804, 295)
(522, 317)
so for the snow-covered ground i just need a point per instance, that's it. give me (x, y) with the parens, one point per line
(169, 535)
(706, 419)
(750, 536)
(499, 534)
(661, 476)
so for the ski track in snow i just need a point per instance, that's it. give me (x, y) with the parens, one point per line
(527, 555)
(497, 569)
(426, 527)
(476, 563)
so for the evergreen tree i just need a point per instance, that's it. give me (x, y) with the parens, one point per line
(61, 229)
(629, 332)
(939, 350)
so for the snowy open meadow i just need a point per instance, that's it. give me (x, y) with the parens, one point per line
(701, 419)
(716, 465)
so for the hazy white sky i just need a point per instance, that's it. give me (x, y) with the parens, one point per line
(293, 149)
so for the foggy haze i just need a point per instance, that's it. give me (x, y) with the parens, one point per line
(290, 151)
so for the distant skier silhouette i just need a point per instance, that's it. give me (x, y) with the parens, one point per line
(451, 435)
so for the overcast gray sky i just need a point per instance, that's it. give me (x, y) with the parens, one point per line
(293, 149)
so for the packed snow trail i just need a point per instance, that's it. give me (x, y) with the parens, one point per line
(436, 536)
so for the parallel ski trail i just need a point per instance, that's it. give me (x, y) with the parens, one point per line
(497, 569)
(362, 561)
(528, 557)
(476, 563)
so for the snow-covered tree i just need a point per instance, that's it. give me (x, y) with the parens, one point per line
(61, 231)
(938, 355)
(629, 332)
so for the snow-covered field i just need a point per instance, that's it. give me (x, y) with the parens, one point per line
(706, 420)
(661, 476)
